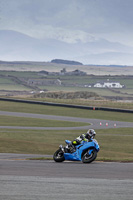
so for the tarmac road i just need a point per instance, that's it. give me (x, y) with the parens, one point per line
(40, 180)
(95, 123)
(16, 164)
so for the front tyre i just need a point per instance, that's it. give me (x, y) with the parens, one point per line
(58, 156)
(89, 156)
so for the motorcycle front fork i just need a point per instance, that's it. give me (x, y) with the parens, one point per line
(61, 148)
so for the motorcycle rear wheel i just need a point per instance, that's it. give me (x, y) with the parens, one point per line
(86, 158)
(58, 156)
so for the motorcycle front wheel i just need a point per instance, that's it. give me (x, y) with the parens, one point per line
(58, 156)
(88, 158)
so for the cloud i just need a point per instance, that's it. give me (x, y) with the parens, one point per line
(70, 20)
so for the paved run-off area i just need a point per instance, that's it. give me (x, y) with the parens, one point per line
(41, 188)
(32, 180)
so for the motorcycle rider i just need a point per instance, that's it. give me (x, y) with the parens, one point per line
(84, 137)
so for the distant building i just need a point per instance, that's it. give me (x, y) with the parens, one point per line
(70, 73)
(44, 82)
(58, 82)
(108, 84)
(75, 73)
(63, 72)
(78, 72)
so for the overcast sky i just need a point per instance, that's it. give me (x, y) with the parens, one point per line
(70, 20)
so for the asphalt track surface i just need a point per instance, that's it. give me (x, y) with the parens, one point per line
(22, 179)
(95, 123)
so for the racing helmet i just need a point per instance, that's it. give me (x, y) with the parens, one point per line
(90, 133)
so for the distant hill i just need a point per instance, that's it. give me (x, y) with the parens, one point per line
(16, 46)
(56, 61)
(67, 62)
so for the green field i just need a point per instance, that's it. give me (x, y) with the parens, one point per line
(86, 102)
(27, 122)
(115, 144)
(62, 111)
(18, 81)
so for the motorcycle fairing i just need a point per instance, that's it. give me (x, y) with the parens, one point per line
(72, 156)
(77, 155)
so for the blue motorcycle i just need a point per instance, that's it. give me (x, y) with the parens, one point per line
(85, 152)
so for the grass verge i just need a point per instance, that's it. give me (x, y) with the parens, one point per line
(62, 111)
(115, 144)
(33, 122)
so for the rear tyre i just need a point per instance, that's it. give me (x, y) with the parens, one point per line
(58, 156)
(86, 158)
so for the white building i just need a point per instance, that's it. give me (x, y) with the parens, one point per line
(108, 85)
